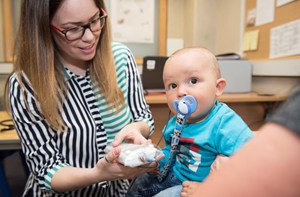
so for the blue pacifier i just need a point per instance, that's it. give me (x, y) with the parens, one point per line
(185, 106)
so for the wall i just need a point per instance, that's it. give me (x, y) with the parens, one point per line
(229, 22)
(205, 23)
(5, 69)
(204, 16)
(176, 19)
(1, 35)
(218, 25)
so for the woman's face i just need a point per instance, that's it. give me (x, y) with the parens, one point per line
(73, 14)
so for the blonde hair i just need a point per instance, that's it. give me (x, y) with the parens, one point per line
(37, 56)
(204, 51)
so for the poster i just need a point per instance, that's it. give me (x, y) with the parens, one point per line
(133, 20)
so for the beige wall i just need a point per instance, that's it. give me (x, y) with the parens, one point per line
(10, 11)
(176, 19)
(205, 23)
(230, 23)
(218, 26)
(1, 34)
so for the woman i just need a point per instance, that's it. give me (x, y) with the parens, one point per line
(73, 93)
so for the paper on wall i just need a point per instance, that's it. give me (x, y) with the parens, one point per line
(285, 40)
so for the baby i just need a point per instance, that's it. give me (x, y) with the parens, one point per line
(212, 129)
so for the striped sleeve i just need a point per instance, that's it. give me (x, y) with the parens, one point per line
(134, 96)
(50, 174)
(37, 138)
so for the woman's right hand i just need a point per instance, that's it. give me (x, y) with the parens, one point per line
(108, 168)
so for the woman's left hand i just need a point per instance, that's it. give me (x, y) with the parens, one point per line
(108, 168)
(133, 133)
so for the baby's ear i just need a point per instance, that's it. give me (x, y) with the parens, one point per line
(220, 87)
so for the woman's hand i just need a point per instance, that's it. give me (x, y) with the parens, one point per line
(109, 169)
(135, 133)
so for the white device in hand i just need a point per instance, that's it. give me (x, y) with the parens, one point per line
(134, 155)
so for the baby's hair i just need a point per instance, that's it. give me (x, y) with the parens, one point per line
(205, 52)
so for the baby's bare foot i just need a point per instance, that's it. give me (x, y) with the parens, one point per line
(189, 188)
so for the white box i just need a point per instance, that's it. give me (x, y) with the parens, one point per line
(238, 75)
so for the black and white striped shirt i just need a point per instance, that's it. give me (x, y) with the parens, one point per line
(91, 126)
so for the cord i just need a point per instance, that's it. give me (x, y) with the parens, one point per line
(164, 129)
(157, 144)
(7, 124)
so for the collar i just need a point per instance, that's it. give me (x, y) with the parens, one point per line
(69, 74)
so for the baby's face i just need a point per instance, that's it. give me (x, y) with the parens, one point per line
(193, 74)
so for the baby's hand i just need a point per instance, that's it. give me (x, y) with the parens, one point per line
(220, 160)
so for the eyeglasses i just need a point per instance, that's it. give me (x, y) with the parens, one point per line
(76, 33)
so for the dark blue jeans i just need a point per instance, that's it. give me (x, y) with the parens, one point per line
(149, 185)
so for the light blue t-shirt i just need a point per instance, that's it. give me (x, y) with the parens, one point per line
(221, 132)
